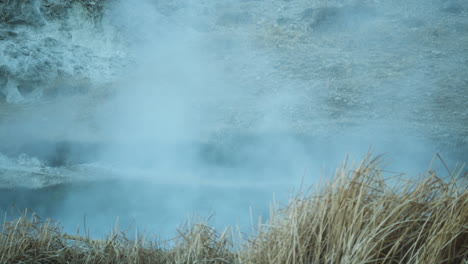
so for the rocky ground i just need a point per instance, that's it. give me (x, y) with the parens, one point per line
(314, 68)
(400, 64)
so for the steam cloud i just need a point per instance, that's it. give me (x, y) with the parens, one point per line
(220, 105)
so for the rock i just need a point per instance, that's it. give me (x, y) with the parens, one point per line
(11, 92)
(55, 9)
(335, 18)
(21, 13)
(283, 21)
(7, 35)
(234, 18)
(454, 7)
(320, 15)
(461, 28)
(49, 47)
(413, 22)
(168, 8)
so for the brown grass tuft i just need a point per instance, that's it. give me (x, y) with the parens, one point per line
(202, 244)
(357, 217)
(361, 218)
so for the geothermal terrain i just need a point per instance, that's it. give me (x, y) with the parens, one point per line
(155, 110)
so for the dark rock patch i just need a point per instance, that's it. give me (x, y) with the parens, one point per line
(20, 13)
(336, 18)
(454, 7)
(7, 34)
(54, 154)
(234, 18)
(413, 22)
(283, 21)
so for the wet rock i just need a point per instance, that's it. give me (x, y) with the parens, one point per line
(454, 7)
(335, 18)
(234, 18)
(461, 28)
(413, 22)
(11, 91)
(51, 153)
(59, 9)
(168, 7)
(7, 35)
(43, 43)
(318, 15)
(6, 85)
(94, 8)
(21, 13)
(283, 21)
(55, 9)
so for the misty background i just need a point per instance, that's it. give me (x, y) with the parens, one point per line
(158, 110)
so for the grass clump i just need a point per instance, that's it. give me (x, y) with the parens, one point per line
(360, 217)
(28, 239)
(357, 217)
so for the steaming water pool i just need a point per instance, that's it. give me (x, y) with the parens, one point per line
(95, 147)
(155, 208)
(53, 181)
(228, 183)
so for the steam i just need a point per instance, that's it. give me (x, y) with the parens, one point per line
(219, 107)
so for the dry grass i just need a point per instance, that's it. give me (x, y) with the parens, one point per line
(358, 217)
